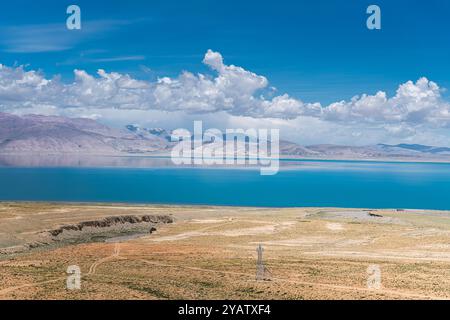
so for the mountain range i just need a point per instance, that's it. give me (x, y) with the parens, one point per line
(59, 135)
(53, 135)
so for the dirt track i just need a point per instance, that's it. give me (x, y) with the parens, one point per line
(210, 253)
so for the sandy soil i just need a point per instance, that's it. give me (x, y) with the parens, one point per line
(210, 253)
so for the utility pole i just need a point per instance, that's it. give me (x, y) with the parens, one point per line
(261, 270)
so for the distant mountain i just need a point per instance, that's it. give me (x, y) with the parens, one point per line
(382, 151)
(50, 134)
(418, 148)
(148, 132)
(292, 149)
(59, 135)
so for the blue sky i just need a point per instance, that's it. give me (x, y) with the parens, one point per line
(314, 51)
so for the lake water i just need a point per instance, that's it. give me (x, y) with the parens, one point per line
(307, 183)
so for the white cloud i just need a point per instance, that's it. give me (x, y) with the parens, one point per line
(234, 95)
(414, 103)
(234, 90)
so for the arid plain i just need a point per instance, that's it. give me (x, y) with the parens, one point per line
(210, 253)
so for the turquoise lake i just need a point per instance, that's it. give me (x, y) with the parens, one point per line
(307, 183)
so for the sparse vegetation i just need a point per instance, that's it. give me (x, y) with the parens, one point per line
(210, 253)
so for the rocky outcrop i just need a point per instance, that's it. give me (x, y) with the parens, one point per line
(101, 230)
(93, 231)
(111, 222)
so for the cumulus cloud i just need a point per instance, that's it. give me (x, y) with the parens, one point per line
(233, 89)
(230, 89)
(414, 103)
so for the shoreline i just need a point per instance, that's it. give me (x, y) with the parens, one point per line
(121, 226)
(216, 206)
(282, 158)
